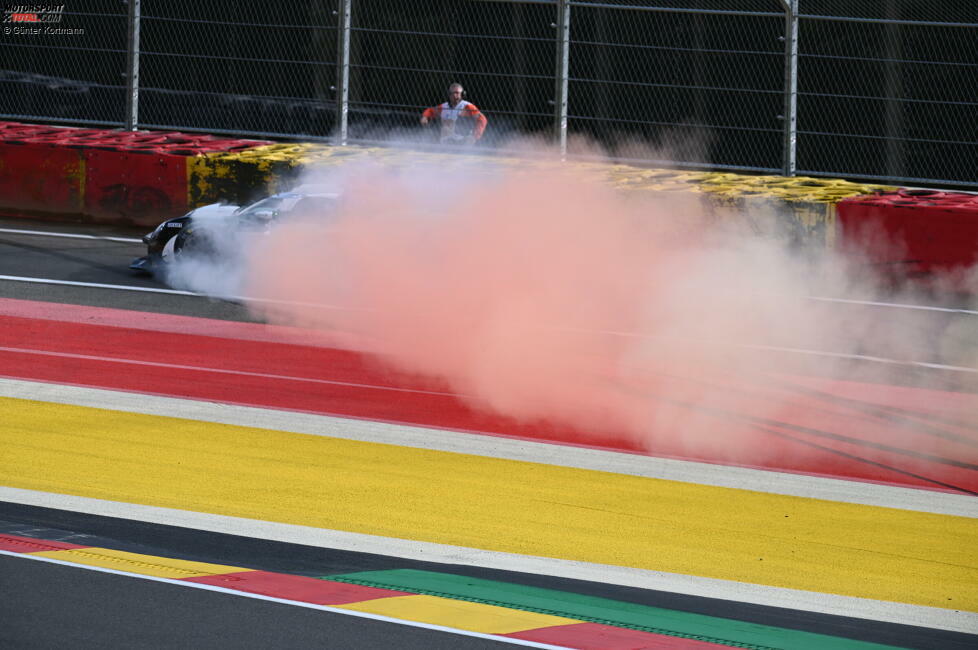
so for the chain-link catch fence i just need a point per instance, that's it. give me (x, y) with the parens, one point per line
(852, 88)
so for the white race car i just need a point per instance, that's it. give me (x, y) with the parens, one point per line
(209, 229)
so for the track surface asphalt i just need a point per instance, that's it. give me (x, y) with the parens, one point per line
(59, 606)
(56, 602)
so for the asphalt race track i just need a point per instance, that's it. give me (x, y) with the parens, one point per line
(107, 611)
(175, 426)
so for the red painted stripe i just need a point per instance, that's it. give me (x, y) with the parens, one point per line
(18, 544)
(595, 636)
(183, 325)
(361, 390)
(888, 434)
(298, 588)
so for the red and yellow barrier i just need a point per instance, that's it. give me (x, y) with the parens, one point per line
(38, 175)
(143, 177)
(98, 175)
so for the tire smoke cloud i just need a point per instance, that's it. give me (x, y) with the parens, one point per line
(544, 296)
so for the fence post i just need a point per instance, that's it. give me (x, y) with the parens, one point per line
(343, 73)
(790, 116)
(132, 67)
(563, 68)
(893, 118)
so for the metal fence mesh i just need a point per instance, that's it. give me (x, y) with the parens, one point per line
(701, 86)
(885, 89)
(249, 67)
(67, 65)
(890, 99)
(405, 55)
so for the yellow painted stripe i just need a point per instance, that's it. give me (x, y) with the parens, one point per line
(147, 565)
(462, 615)
(494, 504)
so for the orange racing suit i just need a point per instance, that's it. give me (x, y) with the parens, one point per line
(455, 121)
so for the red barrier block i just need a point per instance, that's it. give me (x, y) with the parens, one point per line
(41, 178)
(103, 175)
(911, 232)
(132, 187)
(141, 178)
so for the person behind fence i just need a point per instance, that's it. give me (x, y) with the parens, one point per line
(461, 121)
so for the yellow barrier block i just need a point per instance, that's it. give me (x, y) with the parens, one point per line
(238, 176)
(799, 208)
(796, 220)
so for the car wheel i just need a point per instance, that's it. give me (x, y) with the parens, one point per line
(167, 252)
(191, 242)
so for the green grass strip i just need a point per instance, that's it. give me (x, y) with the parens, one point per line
(722, 631)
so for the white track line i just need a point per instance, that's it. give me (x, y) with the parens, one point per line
(774, 348)
(885, 611)
(245, 299)
(418, 437)
(131, 240)
(95, 285)
(894, 305)
(860, 357)
(173, 292)
(284, 601)
(68, 235)
(123, 287)
(244, 373)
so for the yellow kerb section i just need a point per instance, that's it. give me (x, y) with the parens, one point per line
(490, 503)
(147, 565)
(459, 614)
